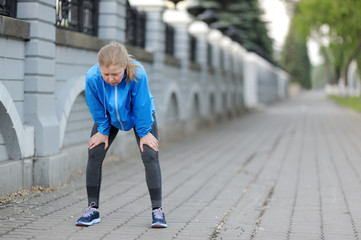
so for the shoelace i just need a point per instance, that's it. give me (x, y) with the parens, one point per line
(158, 214)
(88, 211)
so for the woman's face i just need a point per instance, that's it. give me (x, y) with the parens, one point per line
(113, 74)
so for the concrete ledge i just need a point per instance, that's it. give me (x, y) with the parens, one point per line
(12, 27)
(51, 171)
(28, 173)
(194, 66)
(170, 60)
(74, 39)
(140, 53)
(175, 130)
(211, 70)
(171, 131)
(15, 175)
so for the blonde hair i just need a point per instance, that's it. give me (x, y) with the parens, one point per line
(116, 54)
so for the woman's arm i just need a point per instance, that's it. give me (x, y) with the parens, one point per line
(142, 102)
(96, 107)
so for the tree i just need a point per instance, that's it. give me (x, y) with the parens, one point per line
(341, 17)
(294, 57)
(241, 19)
(327, 56)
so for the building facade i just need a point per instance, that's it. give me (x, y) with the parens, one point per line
(197, 76)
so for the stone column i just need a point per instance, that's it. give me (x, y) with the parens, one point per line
(236, 83)
(214, 37)
(200, 30)
(225, 45)
(112, 20)
(250, 81)
(39, 77)
(180, 20)
(155, 40)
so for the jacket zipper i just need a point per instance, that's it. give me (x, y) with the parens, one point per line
(105, 108)
(116, 108)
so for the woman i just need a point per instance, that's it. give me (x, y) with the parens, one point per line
(118, 98)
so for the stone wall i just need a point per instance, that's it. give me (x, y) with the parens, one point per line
(44, 121)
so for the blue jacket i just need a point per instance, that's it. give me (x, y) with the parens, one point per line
(123, 106)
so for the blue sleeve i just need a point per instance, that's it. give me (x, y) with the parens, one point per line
(143, 107)
(96, 107)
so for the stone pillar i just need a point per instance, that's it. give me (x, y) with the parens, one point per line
(155, 40)
(250, 81)
(225, 45)
(112, 20)
(200, 30)
(39, 77)
(180, 20)
(214, 37)
(236, 83)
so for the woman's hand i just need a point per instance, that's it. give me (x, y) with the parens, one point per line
(149, 140)
(97, 139)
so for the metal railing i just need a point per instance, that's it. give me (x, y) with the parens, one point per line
(78, 15)
(135, 27)
(192, 48)
(221, 57)
(8, 8)
(169, 39)
(209, 55)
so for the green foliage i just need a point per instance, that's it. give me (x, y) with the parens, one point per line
(245, 15)
(294, 58)
(350, 102)
(341, 18)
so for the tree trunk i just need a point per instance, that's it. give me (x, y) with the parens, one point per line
(328, 69)
(337, 71)
(353, 56)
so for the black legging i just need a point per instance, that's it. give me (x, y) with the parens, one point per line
(150, 160)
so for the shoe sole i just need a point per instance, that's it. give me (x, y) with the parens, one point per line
(83, 224)
(159, 225)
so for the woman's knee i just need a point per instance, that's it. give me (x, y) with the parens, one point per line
(149, 155)
(97, 153)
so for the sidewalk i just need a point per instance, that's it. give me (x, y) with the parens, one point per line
(290, 171)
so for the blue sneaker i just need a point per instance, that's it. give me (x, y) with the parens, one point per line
(158, 219)
(90, 217)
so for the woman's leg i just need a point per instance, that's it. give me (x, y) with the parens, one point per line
(152, 169)
(94, 166)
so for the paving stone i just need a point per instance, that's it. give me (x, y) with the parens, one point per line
(288, 171)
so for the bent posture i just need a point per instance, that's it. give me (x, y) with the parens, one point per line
(118, 98)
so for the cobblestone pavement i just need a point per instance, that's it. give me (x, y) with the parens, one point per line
(288, 171)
